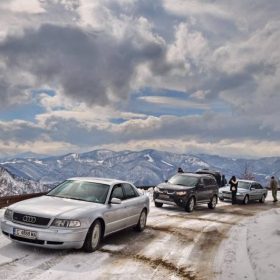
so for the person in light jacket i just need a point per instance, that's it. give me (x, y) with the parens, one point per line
(233, 188)
(274, 188)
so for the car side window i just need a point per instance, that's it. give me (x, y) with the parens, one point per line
(260, 186)
(117, 192)
(129, 191)
(254, 185)
(213, 181)
(200, 183)
(207, 182)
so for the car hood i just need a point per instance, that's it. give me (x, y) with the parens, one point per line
(168, 186)
(227, 189)
(49, 206)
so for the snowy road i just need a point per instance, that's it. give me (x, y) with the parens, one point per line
(175, 245)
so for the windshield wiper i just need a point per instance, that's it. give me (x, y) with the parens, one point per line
(74, 198)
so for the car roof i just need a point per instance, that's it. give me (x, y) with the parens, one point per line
(196, 175)
(98, 180)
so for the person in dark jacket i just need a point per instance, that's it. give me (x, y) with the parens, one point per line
(223, 181)
(180, 170)
(233, 188)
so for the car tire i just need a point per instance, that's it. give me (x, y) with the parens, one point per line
(212, 204)
(93, 237)
(246, 200)
(158, 204)
(190, 205)
(221, 199)
(142, 221)
(262, 200)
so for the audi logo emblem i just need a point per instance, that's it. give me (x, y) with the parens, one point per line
(29, 219)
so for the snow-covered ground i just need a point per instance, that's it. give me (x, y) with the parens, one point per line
(253, 249)
(228, 243)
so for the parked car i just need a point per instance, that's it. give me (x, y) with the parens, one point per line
(76, 214)
(247, 190)
(187, 190)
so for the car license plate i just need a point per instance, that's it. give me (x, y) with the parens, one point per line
(25, 233)
(164, 196)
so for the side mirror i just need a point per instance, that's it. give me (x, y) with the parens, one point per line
(115, 200)
(200, 185)
(166, 181)
(252, 189)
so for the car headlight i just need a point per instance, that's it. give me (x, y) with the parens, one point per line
(8, 214)
(156, 189)
(181, 192)
(65, 223)
(238, 193)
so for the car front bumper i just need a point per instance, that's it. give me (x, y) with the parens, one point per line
(180, 201)
(53, 238)
(239, 197)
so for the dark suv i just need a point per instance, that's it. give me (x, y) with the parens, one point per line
(186, 190)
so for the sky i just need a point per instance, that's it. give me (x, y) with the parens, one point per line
(182, 76)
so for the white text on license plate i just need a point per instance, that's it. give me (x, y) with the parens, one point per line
(164, 196)
(25, 233)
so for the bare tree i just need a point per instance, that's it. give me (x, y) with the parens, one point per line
(247, 171)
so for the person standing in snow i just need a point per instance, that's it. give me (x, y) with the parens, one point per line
(180, 170)
(224, 181)
(233, 188)
(274, 188)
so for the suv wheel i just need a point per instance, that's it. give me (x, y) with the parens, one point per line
(190, 205)
(212, 204)
(158, 204)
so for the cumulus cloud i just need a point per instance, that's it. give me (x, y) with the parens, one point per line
(88, 66)
(95, 55)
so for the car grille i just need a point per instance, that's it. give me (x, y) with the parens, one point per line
(226, 192)
(29, 219)
(166, 191)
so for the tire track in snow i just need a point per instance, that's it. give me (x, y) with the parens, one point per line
(18, 271)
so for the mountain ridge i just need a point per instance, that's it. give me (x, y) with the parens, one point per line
(142, 168)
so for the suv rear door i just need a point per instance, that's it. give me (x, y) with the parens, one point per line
(210, 187)
(201, 190)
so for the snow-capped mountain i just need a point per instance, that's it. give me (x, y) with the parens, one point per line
(11, 184)
(148, 167)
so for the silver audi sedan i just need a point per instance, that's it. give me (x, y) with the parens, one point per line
(247, 190)
(76, 214)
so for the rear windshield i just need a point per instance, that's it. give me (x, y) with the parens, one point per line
(183, 180)
(244, 185)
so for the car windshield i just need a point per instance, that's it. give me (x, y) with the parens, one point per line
(80, 190)
(244, 185)
(183, 180)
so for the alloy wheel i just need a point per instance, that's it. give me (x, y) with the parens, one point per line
(95, 235)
